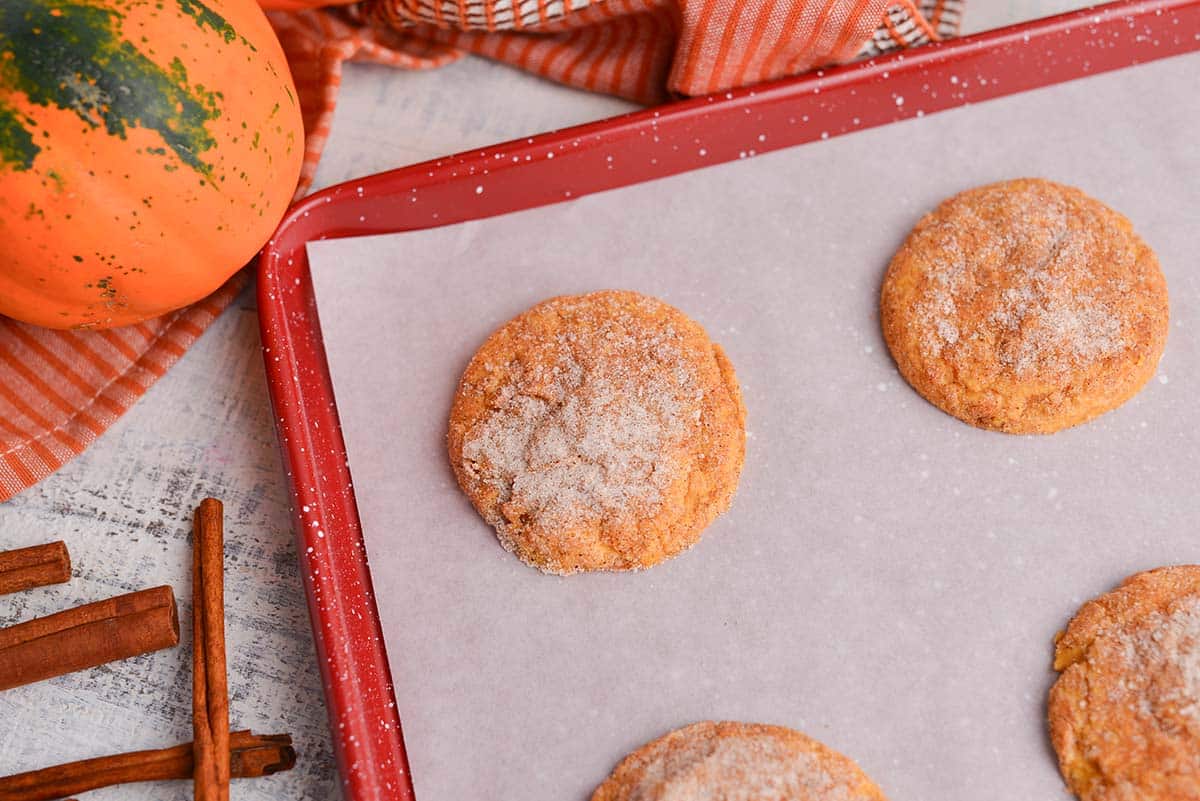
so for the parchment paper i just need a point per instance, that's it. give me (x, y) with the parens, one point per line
(889, 580)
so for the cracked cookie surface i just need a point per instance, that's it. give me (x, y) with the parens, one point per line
(730, 761)
(1025, 306)
(1124, 714)
(598, 432)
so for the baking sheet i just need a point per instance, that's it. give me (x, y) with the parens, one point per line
(889, 580)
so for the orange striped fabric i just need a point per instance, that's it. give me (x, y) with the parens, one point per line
(643, 50)
(59, 390)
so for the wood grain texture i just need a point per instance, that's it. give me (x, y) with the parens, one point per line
(124, 507)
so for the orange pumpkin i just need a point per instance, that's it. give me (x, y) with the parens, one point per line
(147, 151)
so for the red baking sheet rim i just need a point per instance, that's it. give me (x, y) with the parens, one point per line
(558, 166)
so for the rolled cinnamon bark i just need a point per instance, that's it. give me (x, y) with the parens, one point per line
(89, 635)
(251, 756)
(37, 566)
(210, 690)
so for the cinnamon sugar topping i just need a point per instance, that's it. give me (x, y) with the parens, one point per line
(587, 424)
(1030, 284)
(730, 761)
(742, 768)
(1163, 664)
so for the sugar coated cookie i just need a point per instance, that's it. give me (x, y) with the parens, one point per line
(598, 432)
(1025, 306)
(736, 762)
(1125, 711)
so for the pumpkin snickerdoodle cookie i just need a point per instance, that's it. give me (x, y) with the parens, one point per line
(1025, 306)
(598, 432)
(736, 762)
(1125, 711)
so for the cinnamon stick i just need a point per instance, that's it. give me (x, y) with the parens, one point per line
(37, 566)
(89, 635)
(210, 691)
(250, 756)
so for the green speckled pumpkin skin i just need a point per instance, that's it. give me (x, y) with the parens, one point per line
(148, 148)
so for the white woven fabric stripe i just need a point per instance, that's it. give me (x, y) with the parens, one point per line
(505, 15)
(944, 15)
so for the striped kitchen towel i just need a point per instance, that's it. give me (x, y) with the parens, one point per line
(643, 50)
(59, 390)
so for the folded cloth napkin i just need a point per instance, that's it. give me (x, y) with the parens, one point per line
(59, 390)
(643, 50)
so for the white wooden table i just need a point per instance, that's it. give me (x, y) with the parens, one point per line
(124, 507)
